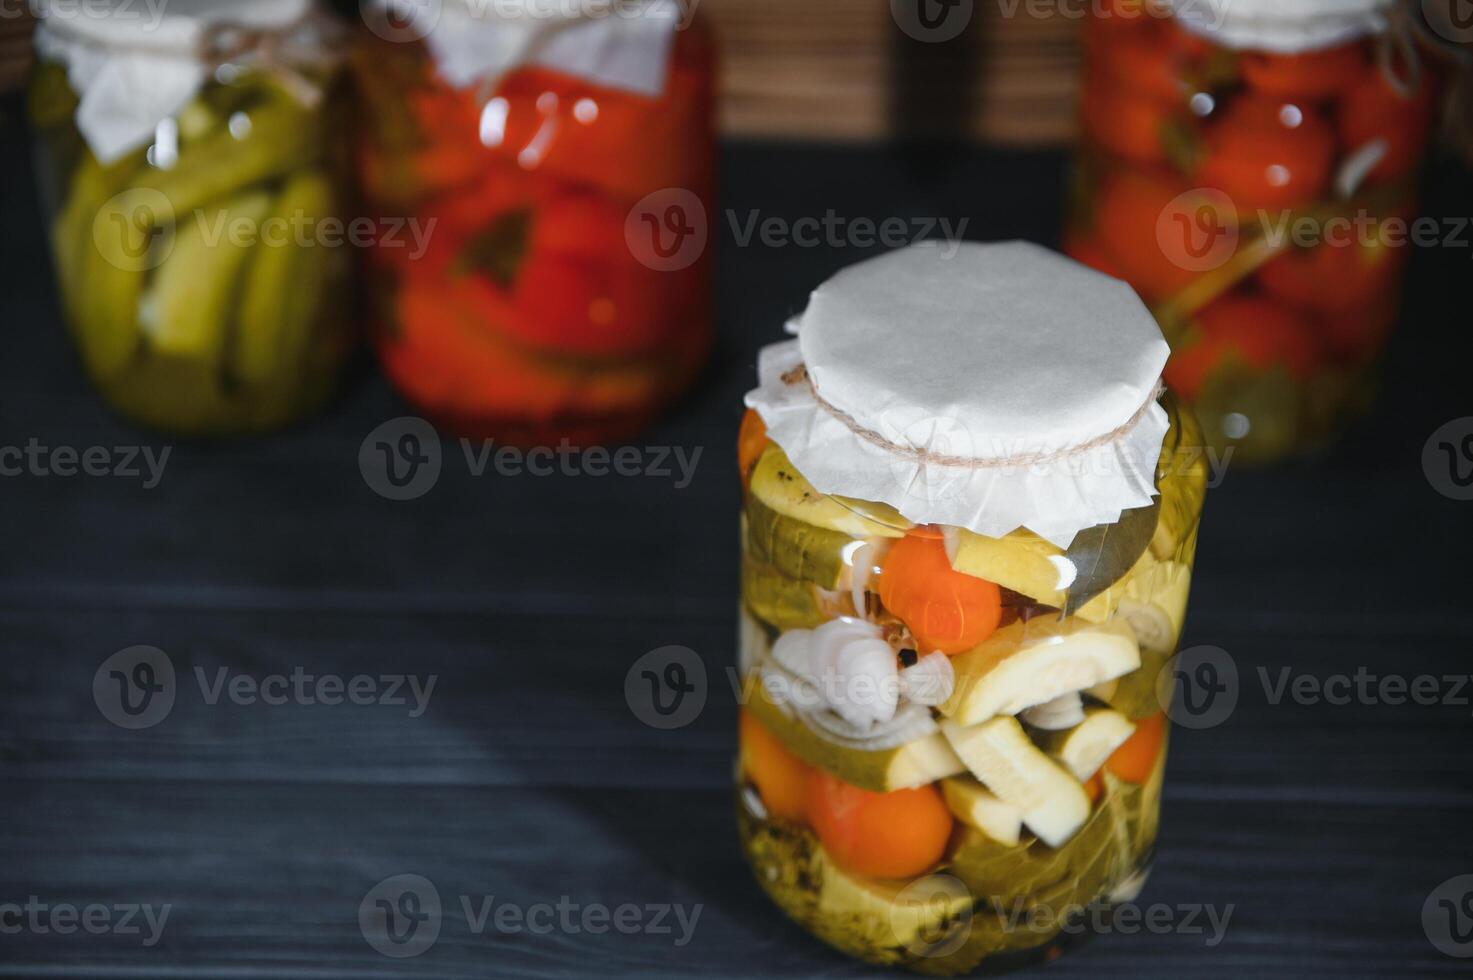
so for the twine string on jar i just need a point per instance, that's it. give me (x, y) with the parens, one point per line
(925, 457)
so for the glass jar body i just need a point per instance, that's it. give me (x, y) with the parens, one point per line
(564, 289)
(905, 843)
(206, 277)
(1261, 203)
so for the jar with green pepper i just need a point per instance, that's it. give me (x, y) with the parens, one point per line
(194, 176)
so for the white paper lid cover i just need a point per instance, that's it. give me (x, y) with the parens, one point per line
(135, 64)
(1282, 26)
(1000, 387)
(620, 44)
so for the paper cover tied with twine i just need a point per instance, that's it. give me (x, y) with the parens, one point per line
(998, 388)
(619, 44)
(135, 64)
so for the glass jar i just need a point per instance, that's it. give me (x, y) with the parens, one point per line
(196, 195)
(1252, 170)
(999, 771)
(535, 313)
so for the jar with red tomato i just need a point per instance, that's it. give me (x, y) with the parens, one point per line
(540, 176)
(1251, 166)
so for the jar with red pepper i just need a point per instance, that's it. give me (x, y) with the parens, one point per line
(550, 171)
(1250, 166)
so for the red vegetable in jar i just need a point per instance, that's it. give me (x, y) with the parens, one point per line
(1296, 127)
(552, 299)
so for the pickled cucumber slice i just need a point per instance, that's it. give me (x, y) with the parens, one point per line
(1085, 747)
(100, 291)
(916, 763)
(1021, 561)
(1068, 578)
(976, 806)
(778, 600)
(284, 288)
(189, 307)
(778, 484)
(1029, 663)
(1053, 803)
(885, 915)
(798, 550)
(279, 137)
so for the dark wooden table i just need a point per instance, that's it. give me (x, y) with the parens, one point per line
(1324, 828)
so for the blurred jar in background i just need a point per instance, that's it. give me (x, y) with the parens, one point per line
(193, 170)
(1250, 166)
(558, 162)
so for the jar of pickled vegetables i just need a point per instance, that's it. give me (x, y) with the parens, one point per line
(968, 530)
(192, 164)
(559, 160)
(1250, 166)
